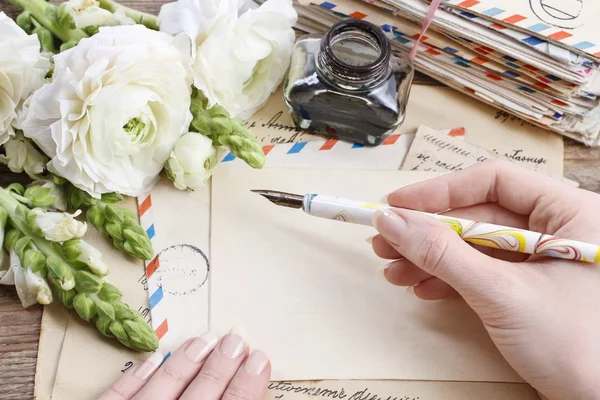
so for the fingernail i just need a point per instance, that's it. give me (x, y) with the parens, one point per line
(384, 199)
(201, 346)
(411, 290)
(256, 363)
(388, 224)
(381, 270)
(232, 345)
(370, 239)
(148, 366)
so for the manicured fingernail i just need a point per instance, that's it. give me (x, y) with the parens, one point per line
(381, 270)
(388, 224)
(232, 345)
(384, 199)
(256, 363)
(370, 239)
(148, 366)
(201, 346)
(411, 290)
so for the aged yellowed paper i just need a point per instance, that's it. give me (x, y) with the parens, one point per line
(306, 290)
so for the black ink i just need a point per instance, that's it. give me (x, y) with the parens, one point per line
(144, 281)
(441, 144)
(170, 258)
(567, 15)
(273, 124)
(128, 365)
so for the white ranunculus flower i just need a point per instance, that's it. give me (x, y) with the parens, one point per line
(89, 13)
(192, 161)
(22, 70)
(237, 60)
(118, 103)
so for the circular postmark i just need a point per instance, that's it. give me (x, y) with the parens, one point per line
(565, 14)
(183, 269)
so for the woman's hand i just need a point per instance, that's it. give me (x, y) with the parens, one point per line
(542, 313)
(202, 368)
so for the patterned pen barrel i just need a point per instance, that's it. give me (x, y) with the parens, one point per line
(479, 233)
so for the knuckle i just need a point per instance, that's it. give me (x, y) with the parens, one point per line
(239, 393)
(173, 373)
(114, 393)
(431, 251)
(212, 377)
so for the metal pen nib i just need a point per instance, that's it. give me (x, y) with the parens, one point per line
(281, 198)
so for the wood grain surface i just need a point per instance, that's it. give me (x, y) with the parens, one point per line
(20, 328)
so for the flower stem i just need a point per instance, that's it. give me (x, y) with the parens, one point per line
(148, 20)
(42, 12)
(9, 203)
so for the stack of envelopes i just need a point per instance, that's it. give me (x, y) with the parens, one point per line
(535, 59)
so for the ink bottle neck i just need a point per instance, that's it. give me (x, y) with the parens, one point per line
(354, 55)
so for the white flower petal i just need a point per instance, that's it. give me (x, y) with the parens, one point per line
(118, 103)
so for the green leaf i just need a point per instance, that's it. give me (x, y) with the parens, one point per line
(24, 22)
(21, 245)
(66, 297)
(70, 250)
(34, 260)
(123, 312)
(114, 230)
(11, 238)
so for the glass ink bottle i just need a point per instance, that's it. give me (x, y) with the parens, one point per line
(347, 84)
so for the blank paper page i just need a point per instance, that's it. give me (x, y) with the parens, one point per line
(307, 291)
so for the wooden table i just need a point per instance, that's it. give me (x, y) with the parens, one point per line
(20, 328)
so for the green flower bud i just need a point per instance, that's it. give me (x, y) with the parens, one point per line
(16, 188)
(137, 244)
(21, 212)
(105, 309)
(70, 250)
(46, 38)
(77, 197)
(130, 215)
(142, 337)
(84, 306)
(11, 238)
(86, 282)
(21, 245)
(24, 22)
(112, 198)
(114, 214)
(109, 293)
(92, 29)
(60, 274)
(123, 312)
(68, 45)
(116, 328)
(64, 17)
(103, 325)
(66, 297)
(96, 217)
(58, 180)
(39, 196)
(35, 260)
(114, 230)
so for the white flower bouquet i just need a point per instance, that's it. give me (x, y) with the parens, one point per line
(96, 99)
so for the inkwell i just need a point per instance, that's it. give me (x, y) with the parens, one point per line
(347, 84)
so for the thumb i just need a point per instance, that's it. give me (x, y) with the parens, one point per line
(437, 249)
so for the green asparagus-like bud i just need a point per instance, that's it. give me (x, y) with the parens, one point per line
(73, 272)
(216, 123)
(123, 228)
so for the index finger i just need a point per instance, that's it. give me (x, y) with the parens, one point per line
(497, 181)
